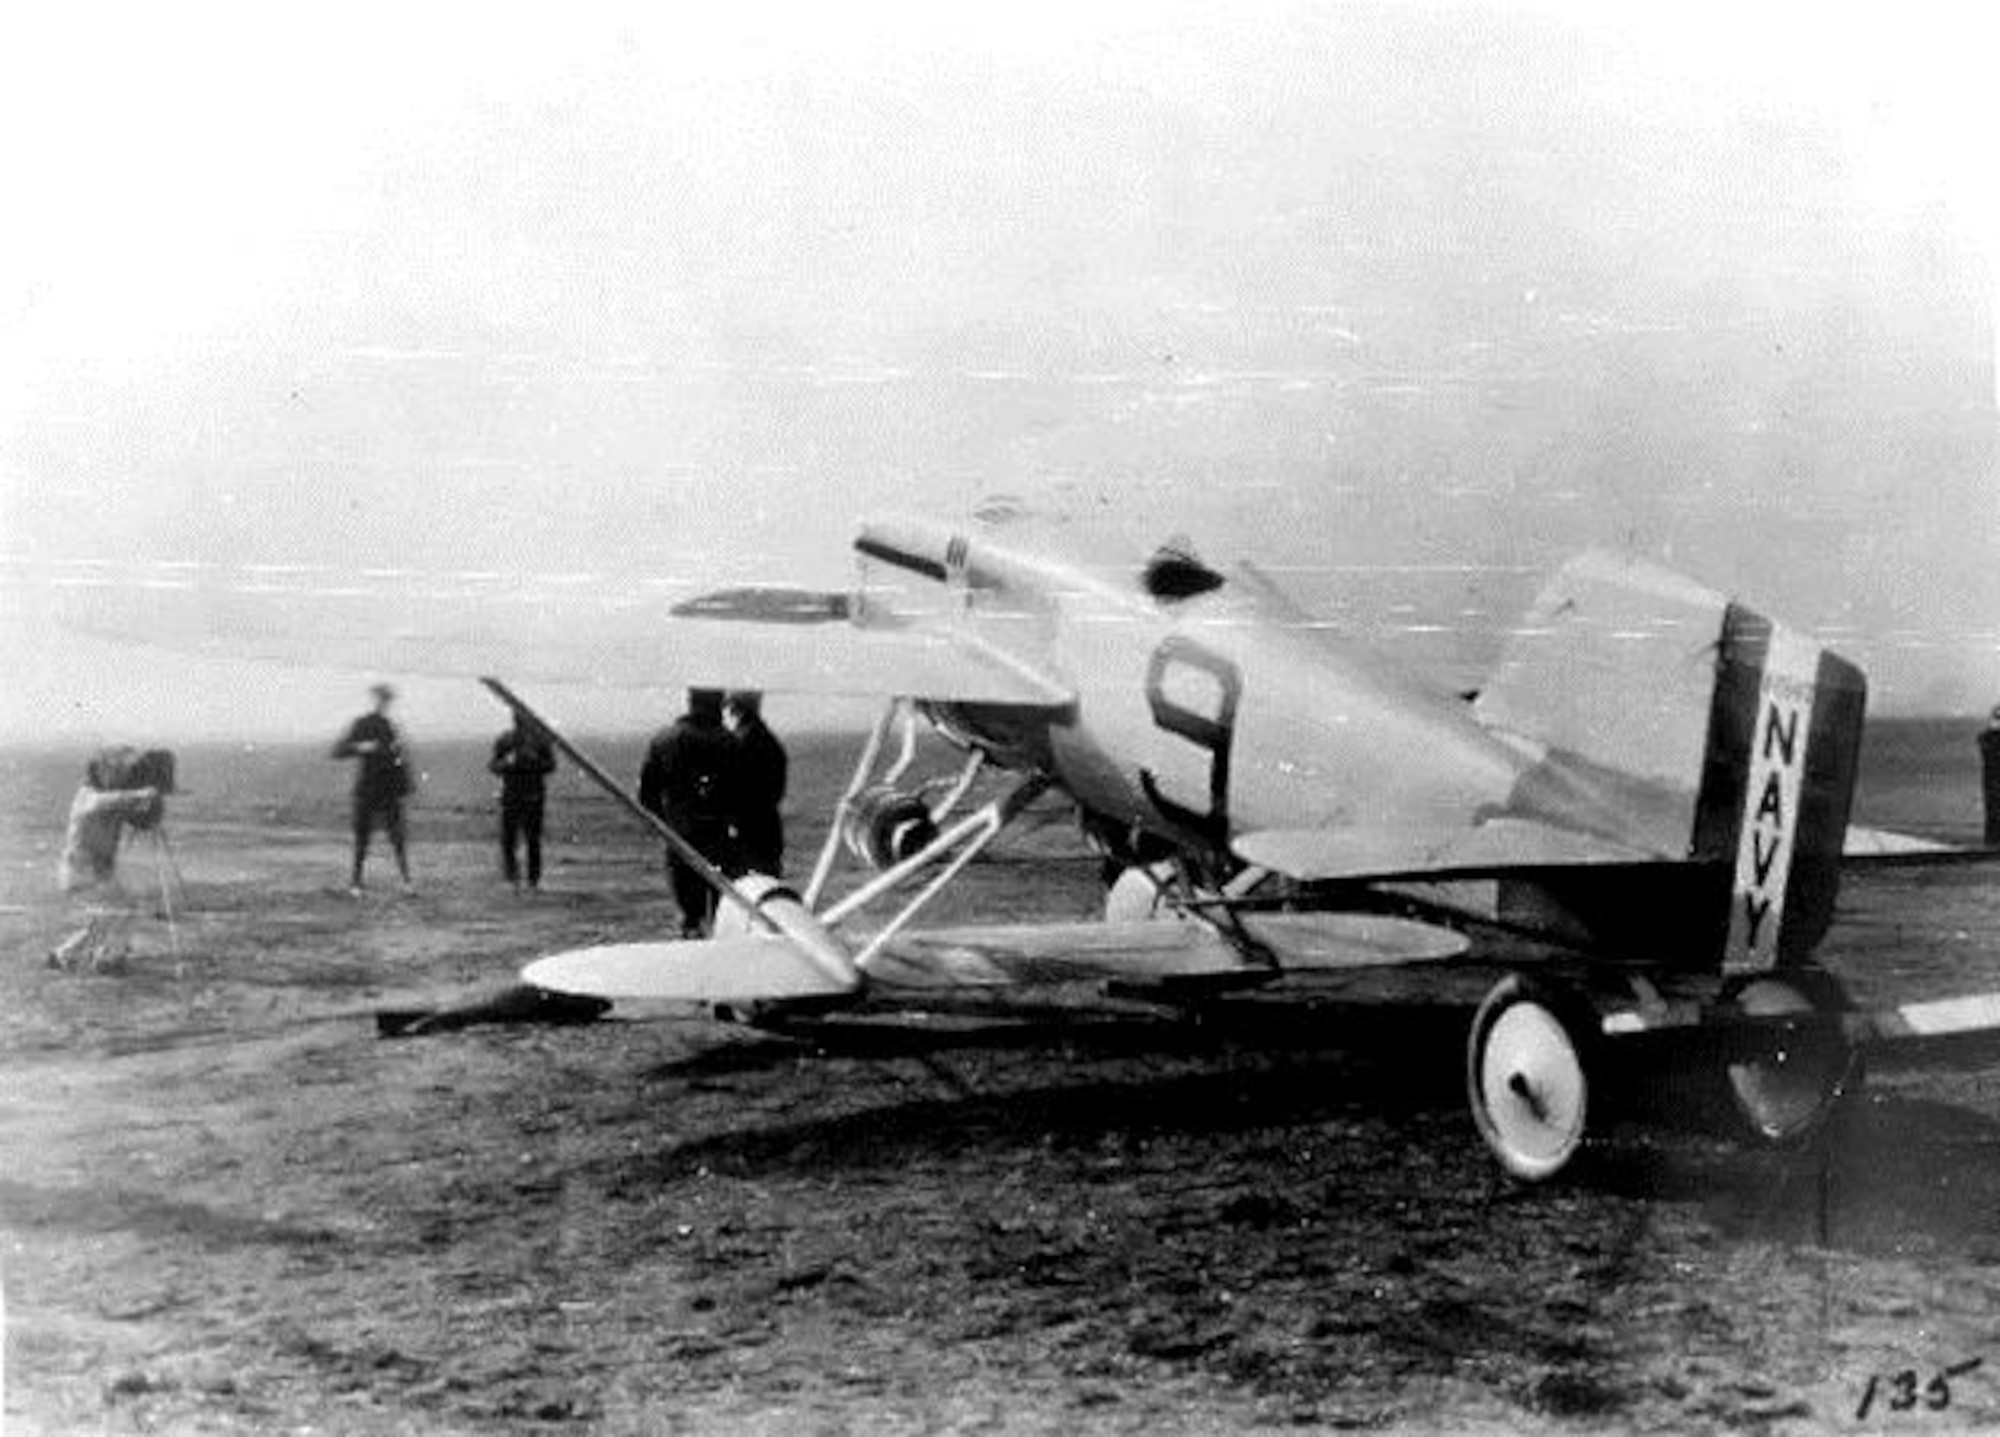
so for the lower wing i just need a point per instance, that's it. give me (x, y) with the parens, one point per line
(766, 966)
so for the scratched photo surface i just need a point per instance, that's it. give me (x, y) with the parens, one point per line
(1405, 304)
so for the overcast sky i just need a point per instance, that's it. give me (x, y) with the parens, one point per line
(1407, 302)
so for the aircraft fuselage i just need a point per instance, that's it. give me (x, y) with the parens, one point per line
(1196, 718)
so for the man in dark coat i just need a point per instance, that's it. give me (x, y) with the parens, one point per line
(523, 758)
(689, 779)
(760, 785)
(381, 782)
(1989, 765)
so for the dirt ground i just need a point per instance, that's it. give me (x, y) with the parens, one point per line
(227, 1205)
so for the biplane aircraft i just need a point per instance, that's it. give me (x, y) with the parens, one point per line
(1644, 808)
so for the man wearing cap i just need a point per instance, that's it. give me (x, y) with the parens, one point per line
(1989, 766)
(760, 785)
(381, 782)
(523, 758)
(689, 779)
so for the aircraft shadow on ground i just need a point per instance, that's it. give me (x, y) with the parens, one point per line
(1886, 1174)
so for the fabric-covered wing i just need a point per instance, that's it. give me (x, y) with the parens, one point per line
(1151, 950)
(759, 967)
(547, 632)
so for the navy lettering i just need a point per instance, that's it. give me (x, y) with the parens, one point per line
(1756, 908)
(1761, 857)
(1772, 804)
(1785, 738)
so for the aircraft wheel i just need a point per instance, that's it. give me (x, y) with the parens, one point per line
(1784, 1094)
(1527, 1073)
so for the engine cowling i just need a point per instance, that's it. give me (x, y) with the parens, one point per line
(885, 826)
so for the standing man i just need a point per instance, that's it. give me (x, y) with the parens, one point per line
(524, 759)
(1989, 766)
(381, 782)
(689, 779)
(760, 785)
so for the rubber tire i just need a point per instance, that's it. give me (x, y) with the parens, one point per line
(1537, 1129)
(1840, 1069)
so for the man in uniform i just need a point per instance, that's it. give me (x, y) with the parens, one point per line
(1989, 766)
(760, 785)
(524, 759)
(381, 782)
(689, 779)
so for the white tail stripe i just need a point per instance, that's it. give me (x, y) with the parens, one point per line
(1771, 802)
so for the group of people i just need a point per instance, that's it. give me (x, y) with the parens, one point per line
(716, 776)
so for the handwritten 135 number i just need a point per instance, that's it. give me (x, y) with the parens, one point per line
(1905, 1391)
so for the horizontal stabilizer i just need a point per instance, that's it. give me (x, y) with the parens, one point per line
(1938, 1018)
(745, 968)
(1865, 846)
(1935, 1030)
(1497, 846)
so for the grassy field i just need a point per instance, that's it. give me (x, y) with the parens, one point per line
(227, 1206)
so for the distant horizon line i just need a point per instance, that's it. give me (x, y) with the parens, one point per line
(453, 734)
(598, 733)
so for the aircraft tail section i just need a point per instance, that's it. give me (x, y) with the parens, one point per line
(1667, 717)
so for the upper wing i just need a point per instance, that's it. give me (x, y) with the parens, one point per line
(549, 632)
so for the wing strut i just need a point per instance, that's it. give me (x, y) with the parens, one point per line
(970, 835)
(830, 849)
(710, 874)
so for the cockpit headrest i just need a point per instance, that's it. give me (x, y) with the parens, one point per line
(1176, 572)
